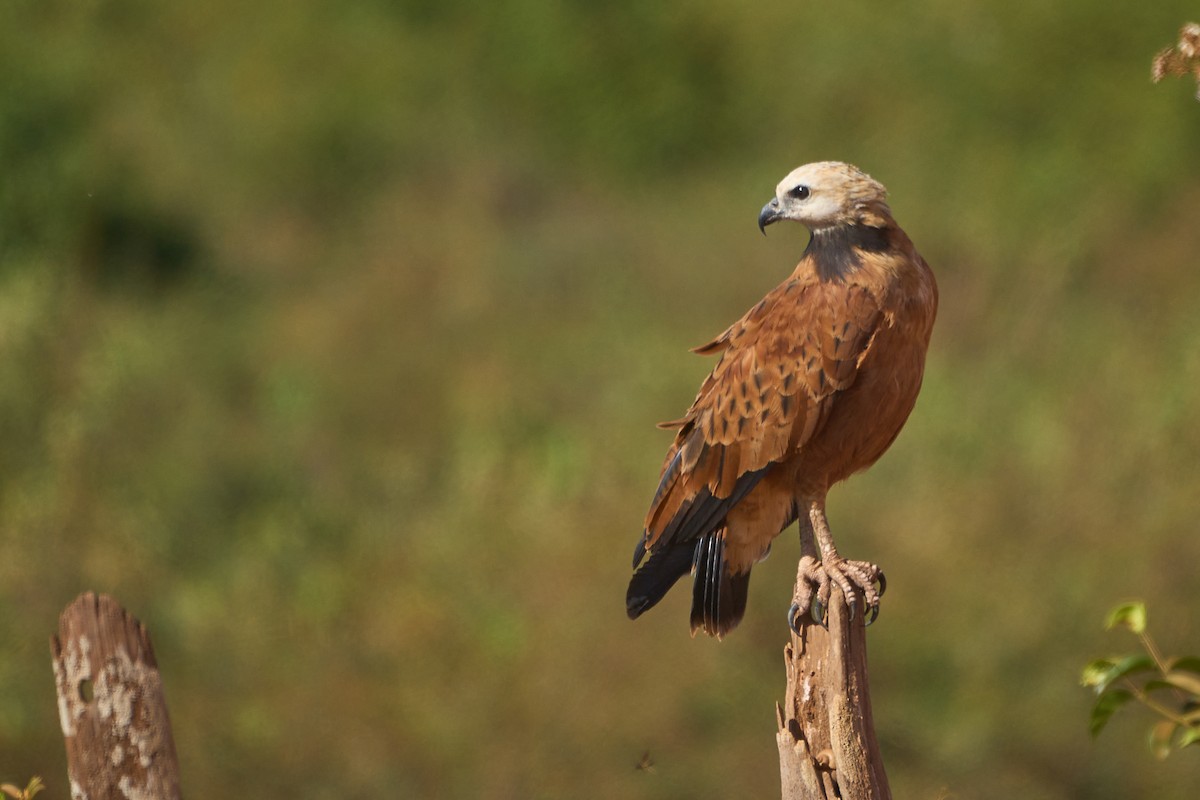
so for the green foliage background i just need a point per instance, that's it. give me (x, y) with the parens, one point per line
(332, 336)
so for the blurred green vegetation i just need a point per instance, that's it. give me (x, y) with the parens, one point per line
(1167, 686)
(332, 336)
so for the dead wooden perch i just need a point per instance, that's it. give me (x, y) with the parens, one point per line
(826, 733)
(111, 705)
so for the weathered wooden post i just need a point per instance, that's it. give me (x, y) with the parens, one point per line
(111, 705)
(826, 734)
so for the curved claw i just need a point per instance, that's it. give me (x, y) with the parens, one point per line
(793, 616)
(882, 581)
(818, 611)
(874, 615)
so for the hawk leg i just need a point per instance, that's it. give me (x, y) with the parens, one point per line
(815, 576)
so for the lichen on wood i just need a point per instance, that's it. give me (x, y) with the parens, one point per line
(111, 705)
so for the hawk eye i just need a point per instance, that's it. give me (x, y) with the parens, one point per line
(800, 192)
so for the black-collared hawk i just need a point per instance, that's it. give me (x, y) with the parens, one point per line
(812, 385)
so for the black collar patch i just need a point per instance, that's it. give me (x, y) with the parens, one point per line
(836, 252)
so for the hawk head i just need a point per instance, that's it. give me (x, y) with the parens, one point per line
(828, 194)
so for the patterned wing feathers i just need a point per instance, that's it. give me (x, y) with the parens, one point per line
(779, 367)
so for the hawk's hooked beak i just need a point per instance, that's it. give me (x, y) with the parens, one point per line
(770, 213)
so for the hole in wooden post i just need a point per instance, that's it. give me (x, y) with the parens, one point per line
(85, 690)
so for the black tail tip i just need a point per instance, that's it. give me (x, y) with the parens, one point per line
(718, 597)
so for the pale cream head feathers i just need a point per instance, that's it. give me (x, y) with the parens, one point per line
(826, 194)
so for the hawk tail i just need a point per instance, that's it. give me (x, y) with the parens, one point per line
(718, 598)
